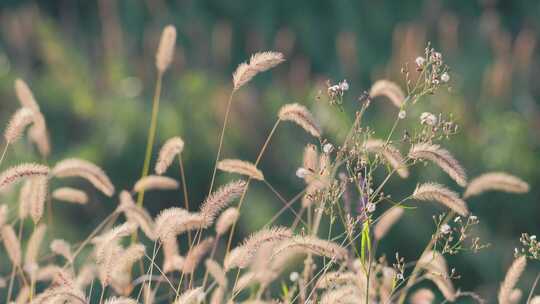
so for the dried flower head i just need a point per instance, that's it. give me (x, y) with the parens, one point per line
(301, 116)
(74, 167)
(389, 89)
(221, 198)
(18, 123)
(240, 167)
(70, 195)
(172, 147)
(226, 219)
(441, 158)
(387, 220)
(165, 51)
(37, 196)
(497, 181)
(438, 193)
(511, 279)
(33, 248)
(258, 63)
(195, 254)
(12, 244)
(155, 182)
(25, 96)
(390, 153)
(16, 173)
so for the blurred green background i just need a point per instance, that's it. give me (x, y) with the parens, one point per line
(91, 67)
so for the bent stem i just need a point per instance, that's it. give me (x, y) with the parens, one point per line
(151, 135)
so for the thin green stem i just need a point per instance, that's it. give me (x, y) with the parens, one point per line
(151, 135)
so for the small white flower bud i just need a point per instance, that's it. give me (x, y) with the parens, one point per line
(294, 276)
(302, 172)
(420, 61)
(427, 118)
(327, 148)
(344, 85)
(402, 114)
(445, 229)
(445, 77)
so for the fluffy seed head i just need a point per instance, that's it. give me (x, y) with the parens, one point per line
(70, 195)
(24, 199)
(510, 280)
(120, 300)
(389, 89)
(173, 221)
(438, 193)
(258, 63)
(217, 272)
(240, 167)
(39, 135)
(25, 96)
(165, 51)
(74, 167)
(191, 296)
(136, 215)
(170, 149)
(226, 219)
(12, 244)
(301, 116)
(422, 296)
(441, 158)
(18, 122)
(313, 245)
(387, 220)
(37, 196)
(19, 172)
(221, 198)
(33, 248)
(155, 182)
(243, 255)
(390, 153)
(497, 181)
(62, 248)
(195, 255)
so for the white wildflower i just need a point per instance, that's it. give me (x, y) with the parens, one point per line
(294, 276)
(327, 148)
(302, 172)
(344, 85)
(420, 61)
(429, 119)
(445, 229)
(445, 77)
(402, 114)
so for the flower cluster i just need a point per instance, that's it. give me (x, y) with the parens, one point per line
(531, 247)
(451, 236)
(335, 92)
